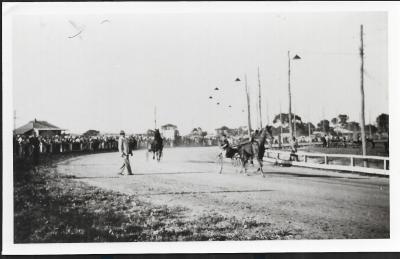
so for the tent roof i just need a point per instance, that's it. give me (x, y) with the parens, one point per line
(35, 124)
(169, 125)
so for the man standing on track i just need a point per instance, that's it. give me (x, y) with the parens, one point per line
(123, 147)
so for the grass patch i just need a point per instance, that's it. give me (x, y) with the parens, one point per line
(50, 207)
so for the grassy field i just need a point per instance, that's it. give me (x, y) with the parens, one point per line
(379, 150)
(50, 207)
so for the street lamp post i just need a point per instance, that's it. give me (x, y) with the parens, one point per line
(290, 96)
(248, 104)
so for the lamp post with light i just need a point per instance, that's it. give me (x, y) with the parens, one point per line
(248, 104)
(296, 57)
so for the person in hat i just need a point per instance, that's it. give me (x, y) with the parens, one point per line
(123, 147)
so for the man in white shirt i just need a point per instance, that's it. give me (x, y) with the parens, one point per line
(123, 148)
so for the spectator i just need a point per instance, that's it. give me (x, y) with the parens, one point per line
(35, 145)
(293, 150)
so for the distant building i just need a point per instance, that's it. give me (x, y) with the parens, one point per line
(223, 130)
(42, 128)
(169, 132)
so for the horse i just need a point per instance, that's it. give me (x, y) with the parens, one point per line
(254, 149)
(156, 146)
(232, 153)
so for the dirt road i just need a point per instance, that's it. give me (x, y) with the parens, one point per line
(313, 204)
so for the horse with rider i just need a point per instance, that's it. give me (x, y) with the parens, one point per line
(253, 149)
(156, 145)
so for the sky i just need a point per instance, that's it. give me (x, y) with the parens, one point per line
(113, 75)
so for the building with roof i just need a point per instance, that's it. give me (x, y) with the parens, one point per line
(223, 130)
(42, 128)
(169, 132)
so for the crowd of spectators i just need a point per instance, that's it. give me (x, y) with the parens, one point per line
(24, 146)
(64, 143)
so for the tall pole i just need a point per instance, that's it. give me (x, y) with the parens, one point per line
(248, 106)
(259, 97)
(294, 122)
(290, 100)
(364, 144)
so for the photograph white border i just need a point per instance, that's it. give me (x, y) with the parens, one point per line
(353, 245)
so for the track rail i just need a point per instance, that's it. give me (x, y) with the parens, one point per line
(343, 162)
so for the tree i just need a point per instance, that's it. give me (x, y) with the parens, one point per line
(91, 133)
(383, 122)
(323, 125)
(302, 129)
(343, 119)
(285, 119)
(335, 121)
(353, 126)
(371, 127)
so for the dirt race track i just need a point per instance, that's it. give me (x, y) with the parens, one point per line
(315, 204)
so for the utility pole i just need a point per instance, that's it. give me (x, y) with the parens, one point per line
(364, 146)
(259, 97)
(294, 122)
(248, 106)
(290, 100)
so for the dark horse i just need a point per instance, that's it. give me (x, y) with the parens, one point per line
(254, 149)
(156, 146)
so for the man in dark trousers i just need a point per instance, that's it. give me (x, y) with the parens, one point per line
(123, 147)
(293, 150)
(35, 145)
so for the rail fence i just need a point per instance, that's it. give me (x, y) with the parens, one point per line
(342, 162)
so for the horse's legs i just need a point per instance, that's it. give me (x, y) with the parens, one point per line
(245, 168)
(221, 161)
(238, 163)
(260, 168)
(244, 165)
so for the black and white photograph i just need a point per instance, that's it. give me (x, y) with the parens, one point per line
(175, 123)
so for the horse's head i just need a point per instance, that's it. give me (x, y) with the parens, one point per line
(268, 130)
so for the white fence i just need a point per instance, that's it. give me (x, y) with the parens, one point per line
(354, 163)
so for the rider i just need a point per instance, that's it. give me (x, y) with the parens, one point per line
(254, 135)
(224, 145)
